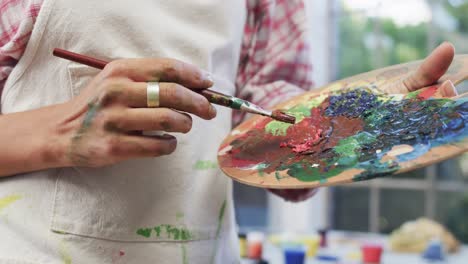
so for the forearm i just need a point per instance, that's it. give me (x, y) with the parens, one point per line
(29, 141)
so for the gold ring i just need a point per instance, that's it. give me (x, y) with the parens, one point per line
(152, 94)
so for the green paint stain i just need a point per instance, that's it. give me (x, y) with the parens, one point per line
(184, 254)
(261, 169)
(306, 173)
(146, 232)
(93, 108)
(205, 165)
(277, 128)
(171, 232)
(314, 102)
(158, 231)
(237, 103)
(218, 230)
(179, 215)
(413, 95)
(7, 200)
(278, 176)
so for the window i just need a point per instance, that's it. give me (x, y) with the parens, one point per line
(373, 34)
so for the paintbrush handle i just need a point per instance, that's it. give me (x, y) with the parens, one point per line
(212, 96)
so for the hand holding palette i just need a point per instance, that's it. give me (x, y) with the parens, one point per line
(350, 131)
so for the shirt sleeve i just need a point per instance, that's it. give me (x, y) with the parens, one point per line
(275, 63)
(16, 24)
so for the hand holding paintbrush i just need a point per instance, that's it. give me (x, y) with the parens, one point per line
(212, 96)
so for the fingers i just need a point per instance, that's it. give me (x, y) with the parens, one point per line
(161, 70)
(141, 146)
(149, 119)
(171, 95)
(447, 89)
(432, 68)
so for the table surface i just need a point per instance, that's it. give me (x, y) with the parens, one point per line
(344, 244)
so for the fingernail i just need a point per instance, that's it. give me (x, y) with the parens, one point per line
(448, 89)
(213, 111)
(208, 79)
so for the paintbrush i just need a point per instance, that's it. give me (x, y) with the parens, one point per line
(212, 96)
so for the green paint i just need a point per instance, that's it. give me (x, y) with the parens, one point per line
(158, 231)
(184, 254)
(278, 176)
(218, 230)
(78, 158)
(59, 232)
(309, 174)
(413, 95)
(374, 169)
(261, 169)
(237, 103)
(168, 231)
(146, 232)
(179, 215)
(277, 128)
(314, 102)
(93, 108)
(7, 200)
(205, 165)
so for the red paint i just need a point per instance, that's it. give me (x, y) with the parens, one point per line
(283, 117)
(254, 250)
(428, 93)
(308, 140)
(121, 253)
(371, 253)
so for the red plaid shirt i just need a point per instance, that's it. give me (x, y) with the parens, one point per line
(274, 63)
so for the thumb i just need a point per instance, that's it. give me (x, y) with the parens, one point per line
(432, 68)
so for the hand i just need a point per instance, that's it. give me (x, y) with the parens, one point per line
(294, 195)
(103, 124)
(433, 67)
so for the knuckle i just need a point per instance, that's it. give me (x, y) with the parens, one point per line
(115, 68)
(112, 90)
(165, 119)
(202, 106)
(171, 68)
(113, 146)
(112, 122)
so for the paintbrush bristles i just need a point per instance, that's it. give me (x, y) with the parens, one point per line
(283, 117)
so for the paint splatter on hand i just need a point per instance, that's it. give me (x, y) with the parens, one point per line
(294, 195)
(104, 124)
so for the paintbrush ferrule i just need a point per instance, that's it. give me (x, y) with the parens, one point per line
(254, 109)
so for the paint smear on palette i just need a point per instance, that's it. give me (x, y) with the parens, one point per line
(351, 128)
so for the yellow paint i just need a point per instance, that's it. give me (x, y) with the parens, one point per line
(64, 255)
(6, 201)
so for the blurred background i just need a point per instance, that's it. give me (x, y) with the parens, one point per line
(350, 37)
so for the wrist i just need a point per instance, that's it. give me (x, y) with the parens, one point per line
(54, 144)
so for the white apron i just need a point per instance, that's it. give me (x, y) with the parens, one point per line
(172, 209)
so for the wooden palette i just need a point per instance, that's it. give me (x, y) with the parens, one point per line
(240, 158)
